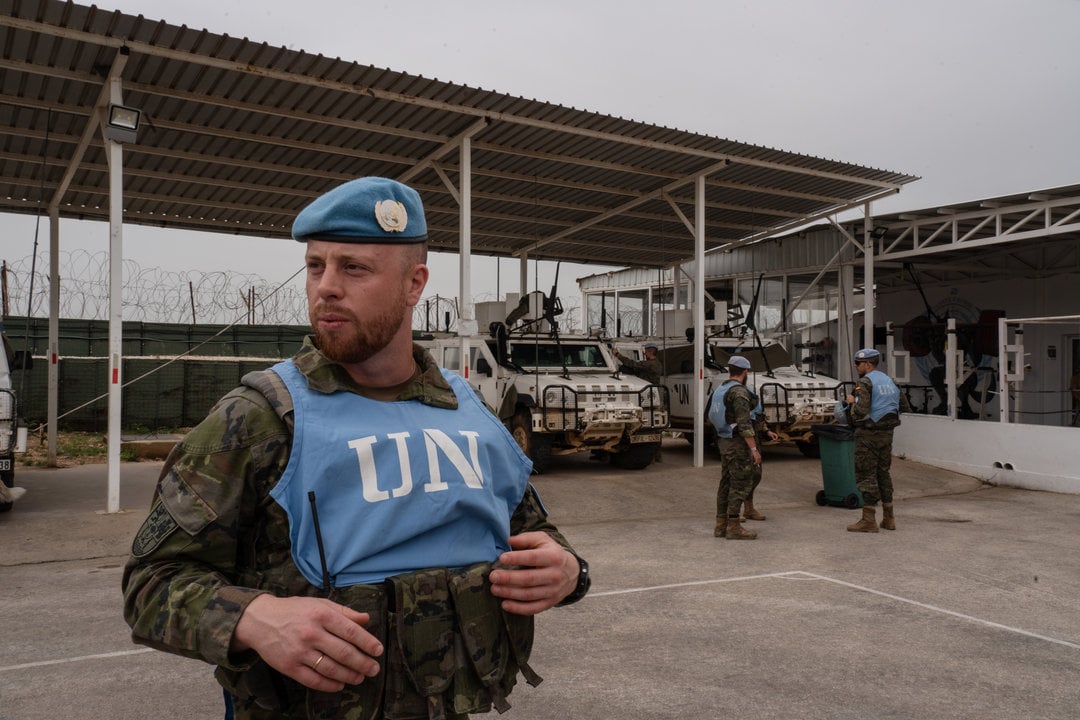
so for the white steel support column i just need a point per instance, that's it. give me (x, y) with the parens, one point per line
(115, 154)
(53, 399)
(649, 326)
(466, 321)
(951, 357)
(697, 389)
(676, 280)
(868, 280)
(845, 322)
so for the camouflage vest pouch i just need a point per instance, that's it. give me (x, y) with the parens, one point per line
(262, 691)
(363, 701)
(497, 643)
(450, 647)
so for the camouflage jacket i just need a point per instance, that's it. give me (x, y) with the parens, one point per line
(739, 404)
(215, 539)
(649, 370)
(859, 413)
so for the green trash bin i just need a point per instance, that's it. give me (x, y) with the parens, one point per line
(837, 443)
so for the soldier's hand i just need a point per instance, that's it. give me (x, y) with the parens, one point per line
(540, 573)
(316, 642)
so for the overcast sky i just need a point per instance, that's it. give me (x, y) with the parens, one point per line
(977, 97)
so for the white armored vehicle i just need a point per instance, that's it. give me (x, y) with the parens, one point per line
(793, 400)
(12, 437)
(558, 394)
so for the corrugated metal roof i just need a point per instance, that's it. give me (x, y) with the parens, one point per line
(1034, 234)
(238, 136)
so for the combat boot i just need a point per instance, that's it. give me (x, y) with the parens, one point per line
(888, 522)
(721, 528)
(748, 511)
(868, 522)
(735, 530)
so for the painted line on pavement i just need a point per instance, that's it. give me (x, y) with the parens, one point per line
(943, 611)
(81, 658)
(853, 586)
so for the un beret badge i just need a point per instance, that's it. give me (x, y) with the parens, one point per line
(391, 215)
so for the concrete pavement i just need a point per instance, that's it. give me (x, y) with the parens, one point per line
(967, 610)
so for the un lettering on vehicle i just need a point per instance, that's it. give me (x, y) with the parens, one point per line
(682, 394)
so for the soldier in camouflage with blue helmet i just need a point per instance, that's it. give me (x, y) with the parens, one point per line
(351, 534)
(873, 408)
(732, 411)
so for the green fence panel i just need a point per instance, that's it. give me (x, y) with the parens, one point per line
(162, 391)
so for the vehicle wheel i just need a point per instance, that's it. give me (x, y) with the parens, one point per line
(851, 501)
(8, 478)
(809, 448)
(5, 506)
(537, 448)
(821, 498)
(636, 457)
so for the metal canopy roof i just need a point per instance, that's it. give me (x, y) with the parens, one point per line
(1034, 234)
(237, 136)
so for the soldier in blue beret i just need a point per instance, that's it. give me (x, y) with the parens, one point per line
(873, 408)
(351, 533)
(735, 411)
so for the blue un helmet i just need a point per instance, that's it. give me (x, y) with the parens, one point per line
(867, 354)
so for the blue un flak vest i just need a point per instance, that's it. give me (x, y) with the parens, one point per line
(718, 408)
(399, 486)
(885, 397)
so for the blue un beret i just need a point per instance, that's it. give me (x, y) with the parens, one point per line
(867, 354)
(738, 361)
(365, 210)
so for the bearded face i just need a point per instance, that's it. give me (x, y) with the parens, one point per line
(358, 298)
(345, 338)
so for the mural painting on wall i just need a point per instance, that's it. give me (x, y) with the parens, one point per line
(925, 336)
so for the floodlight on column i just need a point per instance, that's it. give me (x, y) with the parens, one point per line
(122, 124)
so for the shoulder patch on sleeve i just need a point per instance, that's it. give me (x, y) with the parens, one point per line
(157, 526)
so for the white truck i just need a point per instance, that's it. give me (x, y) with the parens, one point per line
(793, 400)
(12, 437)
(560, 394)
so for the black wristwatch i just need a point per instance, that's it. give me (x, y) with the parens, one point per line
(583, 583)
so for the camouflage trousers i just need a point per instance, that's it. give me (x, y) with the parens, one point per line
(873, 458)
(739, 476)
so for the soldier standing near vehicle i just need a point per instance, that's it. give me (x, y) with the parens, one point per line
(873, 409)
(351, 533)
(731, 411)
(649, 369)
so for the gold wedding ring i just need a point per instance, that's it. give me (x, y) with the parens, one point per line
(316, 665)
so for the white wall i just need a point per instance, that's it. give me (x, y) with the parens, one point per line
(1034, 457)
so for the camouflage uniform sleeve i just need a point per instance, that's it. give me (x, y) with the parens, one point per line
(905, 404)
(180, 583)
(860, 411)
(739, 411)
(532, 516)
